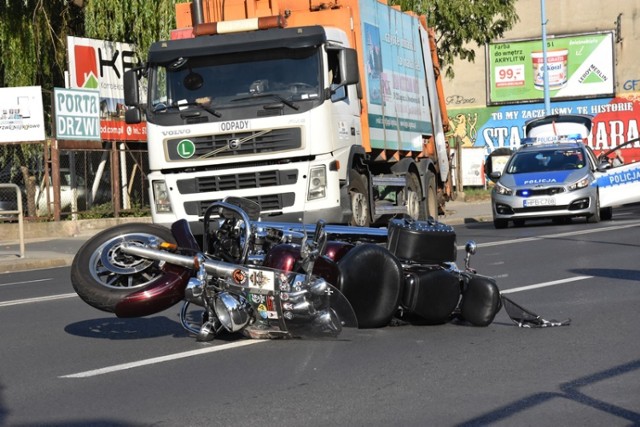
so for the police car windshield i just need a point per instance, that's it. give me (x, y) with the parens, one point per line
(547, 160)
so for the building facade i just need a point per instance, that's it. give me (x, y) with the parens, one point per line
(592, 64)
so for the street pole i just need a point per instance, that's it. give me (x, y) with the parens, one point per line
(545, 71)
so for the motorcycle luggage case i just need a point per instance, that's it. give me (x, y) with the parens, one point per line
(432, 294)
(421, 242)
(480, 301)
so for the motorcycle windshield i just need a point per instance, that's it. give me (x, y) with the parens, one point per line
(317, 313)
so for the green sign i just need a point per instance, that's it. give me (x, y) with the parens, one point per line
(578, 66)
(186, 149)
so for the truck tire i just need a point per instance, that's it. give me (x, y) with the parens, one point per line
(418, 208)
(359, 196)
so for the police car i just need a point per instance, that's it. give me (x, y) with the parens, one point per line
(554, 174)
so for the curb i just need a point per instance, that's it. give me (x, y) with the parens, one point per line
(55, 229)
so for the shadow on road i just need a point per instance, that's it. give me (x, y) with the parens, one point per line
(570, 391)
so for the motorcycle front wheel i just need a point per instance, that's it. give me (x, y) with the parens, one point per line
(102, 275)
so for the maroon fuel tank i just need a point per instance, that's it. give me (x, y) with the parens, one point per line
(286, 256)
(164, 292)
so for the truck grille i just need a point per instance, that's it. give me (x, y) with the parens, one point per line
(270, 142)
(237, 181)
(269, 202)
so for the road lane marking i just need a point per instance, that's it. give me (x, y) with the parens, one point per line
(161, 359)
(25, 282)
(554, 236)
(37, 299)
(545, 284)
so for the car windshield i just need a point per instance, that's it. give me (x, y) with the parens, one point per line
(546, 160)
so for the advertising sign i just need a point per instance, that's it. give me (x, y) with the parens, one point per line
(77, 114)
(472, 164)
(578, 66)
(100, 64)
(615, 120)
(395, 78)
(21, 114)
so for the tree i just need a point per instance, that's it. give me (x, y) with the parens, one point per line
(457, 23)
(140, 22)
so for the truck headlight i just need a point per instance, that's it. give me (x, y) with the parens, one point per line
(501, 189)
(584, 182)
(161, 197)
(317, 183)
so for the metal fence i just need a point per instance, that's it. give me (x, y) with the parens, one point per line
(62, 181)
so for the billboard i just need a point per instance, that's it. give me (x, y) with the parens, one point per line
(77, 114)
(100, 64)
(578, 66)
(615, 120)
(21, 114)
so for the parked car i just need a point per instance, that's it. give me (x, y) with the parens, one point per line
(554, 174)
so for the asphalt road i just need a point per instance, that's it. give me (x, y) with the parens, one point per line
(65, 363)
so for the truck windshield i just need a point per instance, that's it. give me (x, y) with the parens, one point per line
(238, 78)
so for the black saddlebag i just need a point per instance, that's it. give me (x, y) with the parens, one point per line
(480, 301)
(431, 294)
(421, 242)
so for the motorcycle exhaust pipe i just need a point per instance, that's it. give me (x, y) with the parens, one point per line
(216, 268)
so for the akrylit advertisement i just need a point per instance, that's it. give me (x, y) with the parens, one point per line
(615, 120)
(100, 64)
(577, 66)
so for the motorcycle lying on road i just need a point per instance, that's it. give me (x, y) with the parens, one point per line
(283, 280)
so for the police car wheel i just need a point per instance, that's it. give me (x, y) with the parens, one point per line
(500, 223)
(606, 214)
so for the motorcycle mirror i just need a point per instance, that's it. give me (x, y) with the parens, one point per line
(470, 247)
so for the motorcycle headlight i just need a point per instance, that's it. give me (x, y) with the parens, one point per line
(501, 189)
(232, 311)
(584, 182)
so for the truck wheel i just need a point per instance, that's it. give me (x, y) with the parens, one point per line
(359, 200)
(417, 207)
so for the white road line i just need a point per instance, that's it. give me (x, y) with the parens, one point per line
(161, 359)
(555, 236)
(38, 299)
(25, 282)
(545, 284)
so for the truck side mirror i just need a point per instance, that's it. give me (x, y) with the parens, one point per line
(131, 92)
(132, 116)
(349, 67)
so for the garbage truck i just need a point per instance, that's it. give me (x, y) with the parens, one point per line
(315, 110)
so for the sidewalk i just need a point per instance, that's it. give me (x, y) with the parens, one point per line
(54, 244)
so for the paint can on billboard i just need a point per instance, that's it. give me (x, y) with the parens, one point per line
(556, 68)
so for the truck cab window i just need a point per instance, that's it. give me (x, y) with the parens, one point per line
(338, 93)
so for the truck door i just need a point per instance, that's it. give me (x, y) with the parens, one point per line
(619, 185)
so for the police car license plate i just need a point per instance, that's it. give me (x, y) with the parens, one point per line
(547, 201)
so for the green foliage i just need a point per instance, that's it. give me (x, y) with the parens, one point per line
(140, 22)
(458, 23)
(33, 44)
(106, 210)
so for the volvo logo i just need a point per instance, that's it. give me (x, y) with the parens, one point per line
(176, 132)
